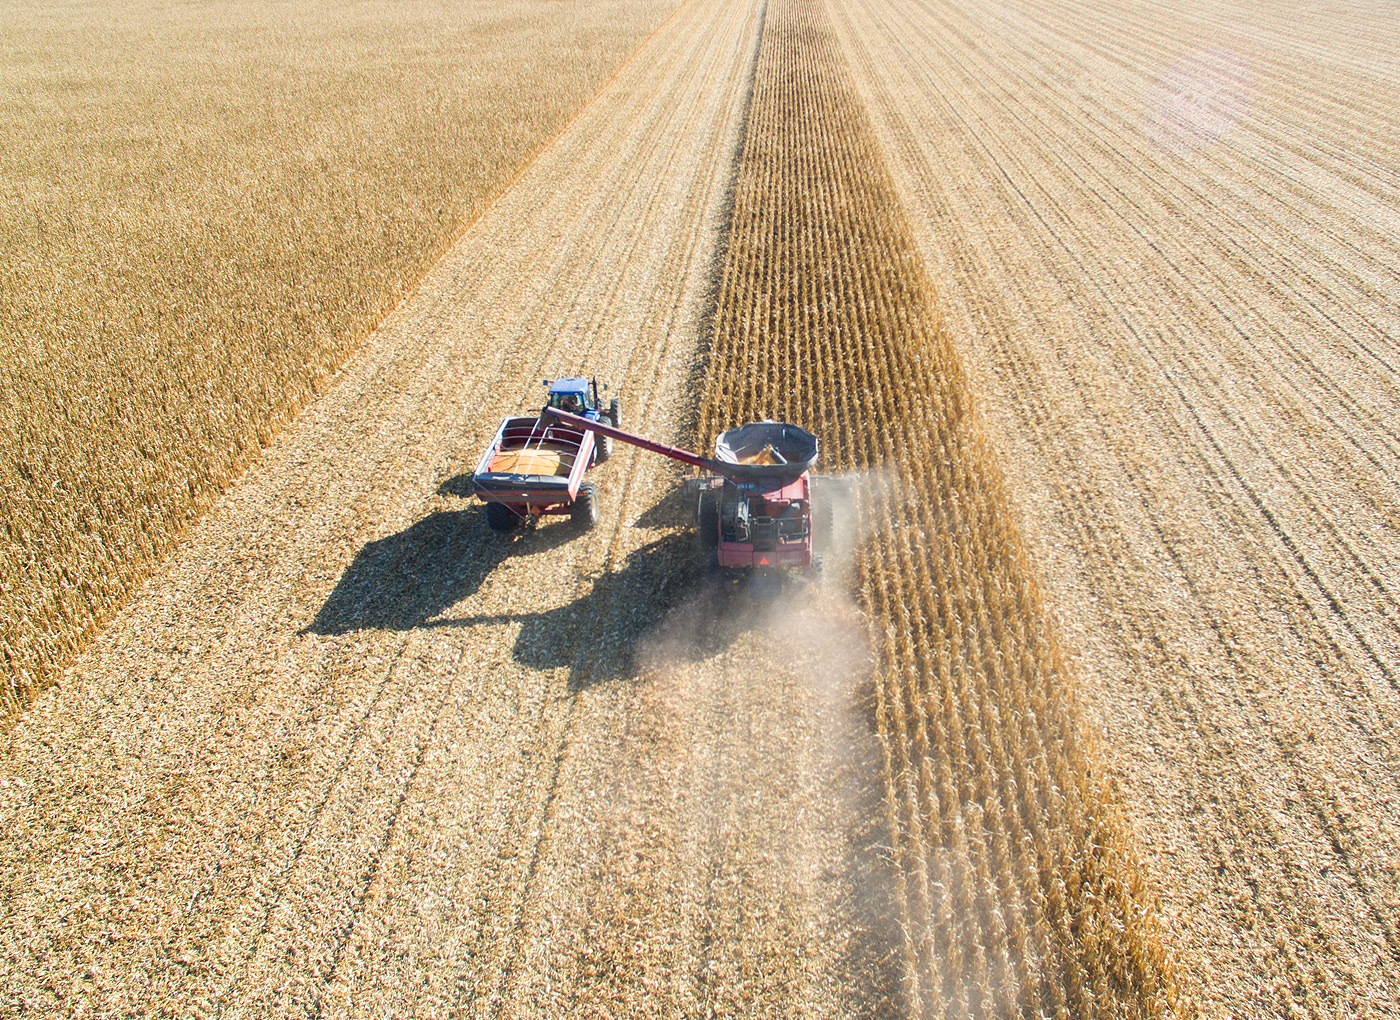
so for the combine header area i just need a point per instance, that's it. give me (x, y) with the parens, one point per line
(755, 507)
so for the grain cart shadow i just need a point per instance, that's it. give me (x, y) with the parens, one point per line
(597, 636)
(459, 486)
(402, 581)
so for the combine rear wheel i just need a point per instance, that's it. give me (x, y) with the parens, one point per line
(707, 520)
(584, 511)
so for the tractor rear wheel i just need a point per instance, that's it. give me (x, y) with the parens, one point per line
(584, 511)
(502, 518)
(605, 443)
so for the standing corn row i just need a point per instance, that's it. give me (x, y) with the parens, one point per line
(1013, 873)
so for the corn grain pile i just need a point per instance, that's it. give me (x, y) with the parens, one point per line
(200, 217)
(1016, 882)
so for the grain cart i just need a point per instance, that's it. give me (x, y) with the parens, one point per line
(534, 465)
(754, 508)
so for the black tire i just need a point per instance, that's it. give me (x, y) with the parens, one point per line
(707, 520)
(615, 412)
(502, 518)
(603, 449)
(584, 511)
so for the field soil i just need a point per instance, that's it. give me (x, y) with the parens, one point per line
(1165, 237)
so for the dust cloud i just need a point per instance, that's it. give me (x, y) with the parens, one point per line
(773, 696)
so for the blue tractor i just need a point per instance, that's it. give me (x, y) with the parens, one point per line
(579, 396)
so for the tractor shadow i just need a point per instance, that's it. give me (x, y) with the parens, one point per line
(402, 581)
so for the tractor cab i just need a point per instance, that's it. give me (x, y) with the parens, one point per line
(579, 396)
(574, 396)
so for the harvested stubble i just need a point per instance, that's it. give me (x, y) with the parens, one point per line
(200, 217)
(1014, 872)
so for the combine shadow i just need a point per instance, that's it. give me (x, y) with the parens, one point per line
(672, 511)
(402, 581)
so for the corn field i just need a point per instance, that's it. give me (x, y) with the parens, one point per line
(1093, 304)
(199, 220)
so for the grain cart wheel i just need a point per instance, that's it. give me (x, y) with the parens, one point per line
(502, 518)
(584, 511)
(707, 520)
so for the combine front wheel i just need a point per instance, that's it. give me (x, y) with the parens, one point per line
(707, 520)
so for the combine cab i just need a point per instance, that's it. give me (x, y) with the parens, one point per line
(754, 504)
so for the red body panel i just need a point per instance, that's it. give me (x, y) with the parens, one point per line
(791, 504)
(534, 493)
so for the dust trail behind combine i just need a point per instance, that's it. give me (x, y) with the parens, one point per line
(1014, 879)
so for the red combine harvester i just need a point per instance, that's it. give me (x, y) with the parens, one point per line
(755, 509)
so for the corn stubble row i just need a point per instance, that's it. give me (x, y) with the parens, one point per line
(198, 222)
(1017, 888)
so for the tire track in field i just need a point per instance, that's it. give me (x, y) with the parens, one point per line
(567, 311)
(602, 309)
(824, 317)
(490, 989)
